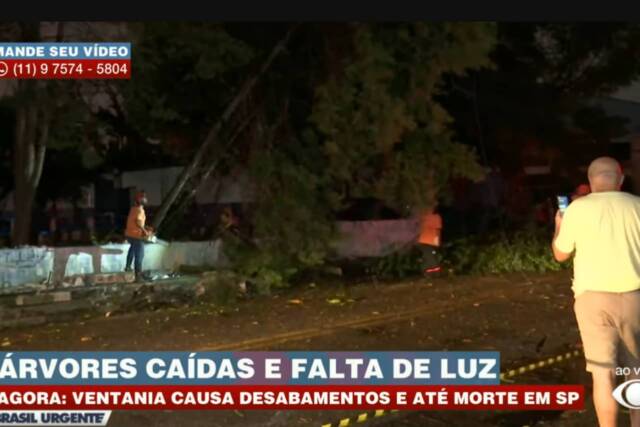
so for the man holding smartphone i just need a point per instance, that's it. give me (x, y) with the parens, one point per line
(602, 231)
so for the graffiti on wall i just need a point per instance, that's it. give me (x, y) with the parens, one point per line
(36, 265)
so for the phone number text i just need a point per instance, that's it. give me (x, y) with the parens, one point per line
(57, 69)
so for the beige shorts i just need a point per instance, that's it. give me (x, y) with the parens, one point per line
(609, 326)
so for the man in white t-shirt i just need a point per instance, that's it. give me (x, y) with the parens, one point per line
(602, 231)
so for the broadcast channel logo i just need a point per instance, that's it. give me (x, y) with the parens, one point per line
(628, 394)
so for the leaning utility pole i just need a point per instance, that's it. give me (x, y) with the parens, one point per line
(212, 136)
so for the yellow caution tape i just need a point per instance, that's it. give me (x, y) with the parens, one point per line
(361, 418)
(541, 364)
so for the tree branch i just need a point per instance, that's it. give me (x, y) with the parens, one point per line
(466, 92)
(41, 147)
(189, 194)
(212, 136)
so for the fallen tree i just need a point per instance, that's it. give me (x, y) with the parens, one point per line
(212, 136)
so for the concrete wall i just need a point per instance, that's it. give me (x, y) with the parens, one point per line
(32, 265)
(25, 265)
(375, 238)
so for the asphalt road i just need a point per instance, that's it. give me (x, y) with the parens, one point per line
(525, 317)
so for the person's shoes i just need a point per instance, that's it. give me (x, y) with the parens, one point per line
(139, 278)
(128, 269)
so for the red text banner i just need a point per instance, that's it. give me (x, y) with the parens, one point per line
(65, 69)
(498, 397)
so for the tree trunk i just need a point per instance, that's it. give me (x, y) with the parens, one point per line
(32, 132)
(24, 209)
(33, 119)
(212, 136)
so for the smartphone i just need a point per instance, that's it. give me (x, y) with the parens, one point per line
(563, 203)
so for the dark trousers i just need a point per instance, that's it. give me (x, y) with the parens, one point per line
(136, 252)
(430, 257)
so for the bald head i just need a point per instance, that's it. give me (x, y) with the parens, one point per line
(605, 174)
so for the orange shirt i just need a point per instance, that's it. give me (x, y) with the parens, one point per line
(136, 214)
(430, 228)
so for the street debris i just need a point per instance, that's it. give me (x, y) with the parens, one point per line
(160, 275)
(108, 294)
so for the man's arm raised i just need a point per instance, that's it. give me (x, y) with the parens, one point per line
(559, 255)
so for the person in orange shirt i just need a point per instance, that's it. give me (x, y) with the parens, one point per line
(429, 241)
(137, 233)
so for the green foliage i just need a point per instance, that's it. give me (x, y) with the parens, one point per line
(522, 251)
(559, 69)
(526, 251)
(70, 117)
(386, 136)
(586, 59)
(397, 265)
(366, 125)
(220, 287)
(185, 73)
(266, 269)
(292, 226)
(374, 130)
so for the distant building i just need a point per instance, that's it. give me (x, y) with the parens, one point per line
(105, 203)
(158, 183)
